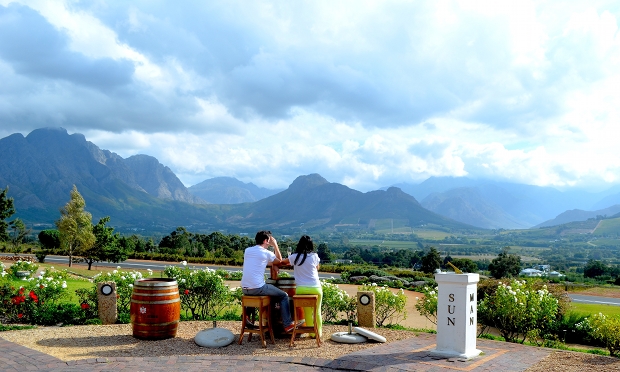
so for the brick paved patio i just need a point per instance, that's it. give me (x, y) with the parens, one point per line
(407, 355)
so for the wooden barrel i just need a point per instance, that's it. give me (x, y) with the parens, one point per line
(289, 286)
(155, 309)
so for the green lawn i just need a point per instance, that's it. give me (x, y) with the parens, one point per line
(589, 309)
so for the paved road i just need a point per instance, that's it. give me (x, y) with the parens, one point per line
(594, 299)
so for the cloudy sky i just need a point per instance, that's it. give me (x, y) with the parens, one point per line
(365, 93)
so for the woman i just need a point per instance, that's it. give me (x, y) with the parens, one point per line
(306, 264)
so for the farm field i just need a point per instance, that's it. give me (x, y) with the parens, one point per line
(392, 226)
(392, 244)
(608, 227)
(431, 234)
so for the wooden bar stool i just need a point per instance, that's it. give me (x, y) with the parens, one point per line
(262, 303)
(306, 301)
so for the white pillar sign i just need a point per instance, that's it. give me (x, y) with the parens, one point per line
(456, 315)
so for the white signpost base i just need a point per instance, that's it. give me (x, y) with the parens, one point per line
(456, 315)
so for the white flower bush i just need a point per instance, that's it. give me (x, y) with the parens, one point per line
(427, 306)
(605, 329)
(518, 311)
(203, 292)
(337, 301)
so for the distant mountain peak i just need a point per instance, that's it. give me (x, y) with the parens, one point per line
(229, 190)
(309, 181)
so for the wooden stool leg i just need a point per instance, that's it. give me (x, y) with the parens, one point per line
(243, 325)
(260, 324)
(273, 340)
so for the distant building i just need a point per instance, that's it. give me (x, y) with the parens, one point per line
(340, 261)
(544, 268)
(555, 274)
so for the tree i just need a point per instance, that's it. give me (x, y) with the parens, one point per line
(431, 261)
(594, 268)
(465, 264)
(49, 239)
(18, 234)
(6, 211)
(75, 227)
(505, 265)
(106, 245)
(324, 253)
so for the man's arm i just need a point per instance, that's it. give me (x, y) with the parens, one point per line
(276, 250)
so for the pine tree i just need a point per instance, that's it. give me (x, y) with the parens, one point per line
(75, 227)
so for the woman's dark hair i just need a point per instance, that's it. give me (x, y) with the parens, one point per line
(304, 247)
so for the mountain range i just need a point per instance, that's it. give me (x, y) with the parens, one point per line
(493, 204)
(41, 168)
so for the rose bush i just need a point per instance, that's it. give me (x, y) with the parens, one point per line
(36, 300)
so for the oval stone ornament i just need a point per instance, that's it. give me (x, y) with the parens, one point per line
(214, 337)
(371, 335)
(348, 338)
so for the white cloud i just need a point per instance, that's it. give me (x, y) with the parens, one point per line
(367, 94)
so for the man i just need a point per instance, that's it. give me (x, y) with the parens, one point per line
(255, 260)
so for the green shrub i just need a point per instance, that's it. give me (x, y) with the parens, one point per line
(388, 305)
(337, 301)
(22, 266)
(203, 292)
(367, 271)
(519, 311)
(605, 329)
(124, 287)
(63, 313)
(30, 301)
(427, 306)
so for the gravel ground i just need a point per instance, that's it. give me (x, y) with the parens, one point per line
(83, 342)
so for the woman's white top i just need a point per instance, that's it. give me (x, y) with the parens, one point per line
(307, 274)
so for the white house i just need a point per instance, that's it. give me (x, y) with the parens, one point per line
(530, 272)
(555, 274)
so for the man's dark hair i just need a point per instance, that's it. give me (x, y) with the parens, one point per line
(261, 236)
